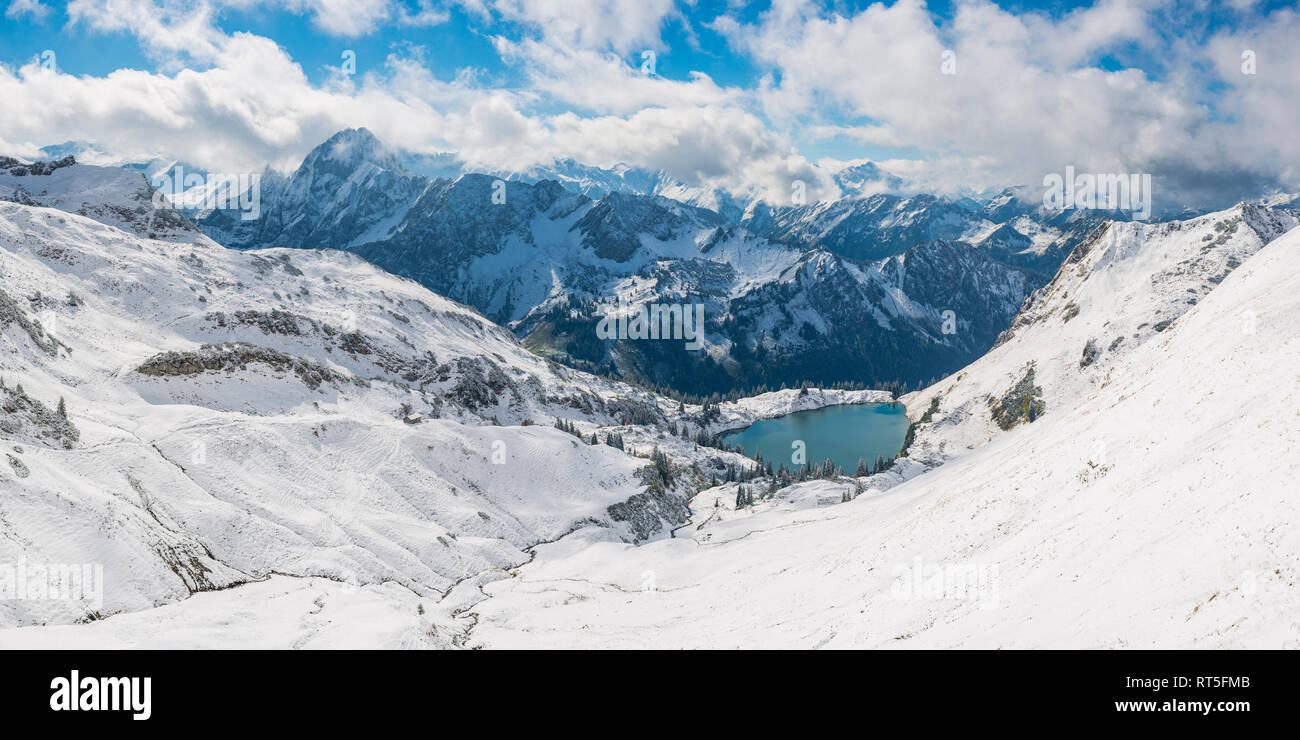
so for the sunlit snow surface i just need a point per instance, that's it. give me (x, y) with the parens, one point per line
(1152, 505)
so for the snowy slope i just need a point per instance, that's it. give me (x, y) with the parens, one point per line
(1117, 291)
(112, 195)
(1179, 531)
(279, 613)
(232, 415)
(1148, 504)
(1153, 510)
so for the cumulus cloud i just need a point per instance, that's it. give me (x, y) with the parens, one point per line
(1261, 89)
(1023, 95)
(999, 98)
(1028, 96)
(255, 106)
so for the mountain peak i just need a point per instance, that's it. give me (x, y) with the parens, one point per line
(352, 148)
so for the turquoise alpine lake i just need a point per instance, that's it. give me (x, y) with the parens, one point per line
(843, 433)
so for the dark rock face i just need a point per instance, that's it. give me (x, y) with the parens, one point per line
(19, 467)
(481, 383)
(861, 331)
(646, 514)
(1023, 402)
(274, 321)
(613, 227)
(882, 226)
(1090, 353)
(415, 367)
(19, 169)
(454, 223)
(142, 217)
(232, 356)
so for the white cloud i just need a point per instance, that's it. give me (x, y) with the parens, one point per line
(621, 25)
(1024, 100)
(168, 30)
(708, 146)
(869, 135)
(602, 82)
(426, 13)
(346, 17)
(184, 28)
(350, 18)
(255, 105)
(34, 8)
(1260, 121)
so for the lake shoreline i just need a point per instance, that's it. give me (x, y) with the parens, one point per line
(849, 435)
(740, 414)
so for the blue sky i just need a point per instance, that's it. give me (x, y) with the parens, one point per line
(464, 39)
(745, 96)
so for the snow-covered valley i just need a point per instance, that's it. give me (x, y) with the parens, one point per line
(231, 416)
(293, 448)
(1156, 508)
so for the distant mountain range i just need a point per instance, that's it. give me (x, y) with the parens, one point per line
(875, 289)
(865, 281)
(294, 432)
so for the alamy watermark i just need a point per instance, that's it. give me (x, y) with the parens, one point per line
(79, 582)
(674, 321)
(947, 581)
(77, 693)
(1093, 191)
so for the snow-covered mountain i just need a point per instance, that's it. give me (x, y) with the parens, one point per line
(192, 417)
(550, 262)
(349, 191)
(866, 178)
(1147, 503)
(864, 229)
(1117, 291)
(1152, 508)
(597, 182)
(115, 196)
(544, 258)
(1125, 494)
(1027, 238)
(913, 315)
